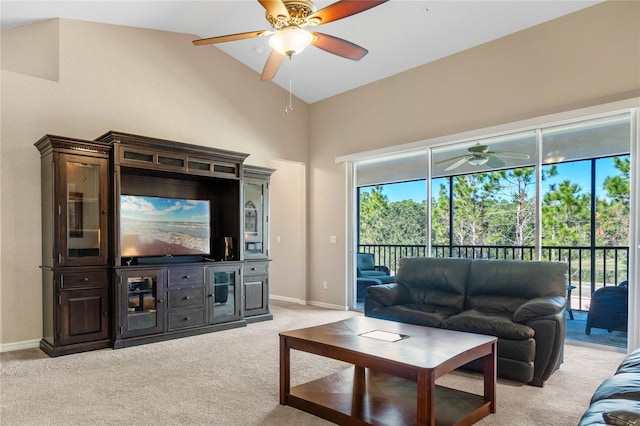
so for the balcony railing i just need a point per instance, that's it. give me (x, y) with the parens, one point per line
(589, 268)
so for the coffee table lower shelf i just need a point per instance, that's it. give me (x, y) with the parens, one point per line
(382, 400)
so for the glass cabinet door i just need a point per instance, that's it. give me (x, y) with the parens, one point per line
(82, 210)
(254, 218)
(224, 287)
(142, 292)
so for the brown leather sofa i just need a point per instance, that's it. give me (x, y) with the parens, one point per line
(520, 302)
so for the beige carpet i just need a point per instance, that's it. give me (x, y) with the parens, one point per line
(231, 378)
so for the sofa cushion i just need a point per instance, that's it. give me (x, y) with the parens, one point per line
(435, 281)
(596, 412)
(495, 303)
(514, 281)
(491, 323)
(419, 314)
(631, 363)
(619, 386)
(521, 350)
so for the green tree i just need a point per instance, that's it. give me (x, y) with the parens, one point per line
(566, 215)
(612, 211)
(440, 214)
(472, 205)
(374, 208)
(406, 223)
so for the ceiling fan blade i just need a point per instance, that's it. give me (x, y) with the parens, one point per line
(446, 160)
(342, 9)
(230, 37)
(494, 162)
(275, 8)
(338, 46)
(458, 163)
(271, 67)
(508, 154)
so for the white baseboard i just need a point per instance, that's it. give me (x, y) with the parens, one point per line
(328, 306)
(287, 299)
(312, 303)
(16, 346)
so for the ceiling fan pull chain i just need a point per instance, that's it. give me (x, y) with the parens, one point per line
(289, 108)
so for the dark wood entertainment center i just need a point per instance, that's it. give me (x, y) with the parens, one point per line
(95, 295)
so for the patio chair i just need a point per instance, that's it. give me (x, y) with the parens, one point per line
(609, 308)
(367, 268)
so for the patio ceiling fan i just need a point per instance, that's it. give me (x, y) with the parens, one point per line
(480, 154)
(289, 19)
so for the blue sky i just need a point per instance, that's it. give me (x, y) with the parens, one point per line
(164, 209)
(578, 172)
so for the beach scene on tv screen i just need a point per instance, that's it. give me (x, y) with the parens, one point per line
(154, 226)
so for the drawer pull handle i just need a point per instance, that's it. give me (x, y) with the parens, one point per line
(186, 298)
(85, 279)
(253, 269)
(187, 318)
(186, 277)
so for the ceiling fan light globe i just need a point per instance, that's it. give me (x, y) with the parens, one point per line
(290, 41)
(478, 161)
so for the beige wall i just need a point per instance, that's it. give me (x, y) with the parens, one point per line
(157, 84)
(82, 79)
(587, 58)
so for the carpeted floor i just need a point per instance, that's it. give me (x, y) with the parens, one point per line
(231, 378)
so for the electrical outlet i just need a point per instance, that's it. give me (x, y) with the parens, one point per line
(325, 285)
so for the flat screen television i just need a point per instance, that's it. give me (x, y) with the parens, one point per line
(158, 226)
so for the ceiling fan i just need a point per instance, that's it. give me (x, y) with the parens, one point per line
(479, 155)
(289, 19)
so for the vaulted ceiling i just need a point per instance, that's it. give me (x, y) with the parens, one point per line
(399, 34)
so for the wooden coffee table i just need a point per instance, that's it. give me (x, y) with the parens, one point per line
(392, 380)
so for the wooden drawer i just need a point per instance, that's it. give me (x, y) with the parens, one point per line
(256, 268)
(186, 318)
(84, 279)
(181, 277)
(186, 297)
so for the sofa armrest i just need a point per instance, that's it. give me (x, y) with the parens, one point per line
(539, 307)
(389, 294)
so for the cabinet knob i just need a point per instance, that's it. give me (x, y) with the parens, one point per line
(187, 318)
(209, 295)
(186, 277)
(186, 298)
(253, 269)
(160, 300)
(85, 279)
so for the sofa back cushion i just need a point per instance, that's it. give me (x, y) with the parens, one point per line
(503, 285)
(440, 282)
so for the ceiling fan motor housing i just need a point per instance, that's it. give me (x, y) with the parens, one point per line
(299, 13)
